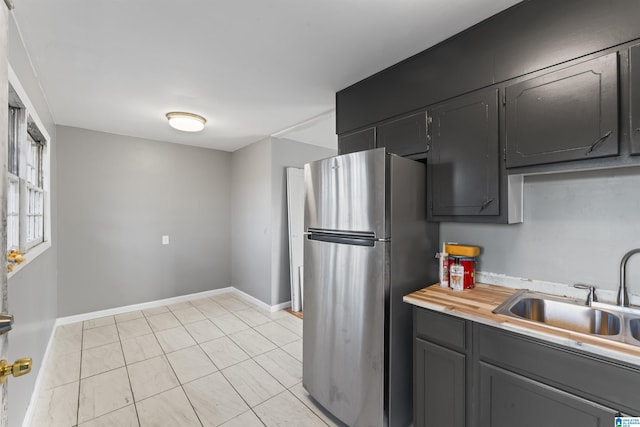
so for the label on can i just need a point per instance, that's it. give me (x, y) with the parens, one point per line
(456, 277)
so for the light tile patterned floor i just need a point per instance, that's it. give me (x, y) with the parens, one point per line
(217, 361)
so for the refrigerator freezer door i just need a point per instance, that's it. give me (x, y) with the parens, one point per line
(344, 323)
(347, 193)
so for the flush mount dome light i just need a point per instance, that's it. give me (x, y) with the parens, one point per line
(187, 122)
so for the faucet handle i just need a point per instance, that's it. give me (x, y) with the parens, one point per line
(591, 297)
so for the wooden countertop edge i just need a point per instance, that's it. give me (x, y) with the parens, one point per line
(478, 306)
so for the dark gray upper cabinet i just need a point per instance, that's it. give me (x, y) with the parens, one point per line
(634, 77)
(526, 38)
(568, 114)
(404, 136)
(357, 141)
(464, 160)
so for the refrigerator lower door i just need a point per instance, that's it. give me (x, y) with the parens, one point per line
(344, 324)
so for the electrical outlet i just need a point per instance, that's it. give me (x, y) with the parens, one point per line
(165, 240)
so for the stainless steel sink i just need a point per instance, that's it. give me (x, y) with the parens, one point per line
(607, 321)
(579, 318)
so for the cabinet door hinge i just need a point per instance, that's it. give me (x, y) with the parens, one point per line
(504, 154)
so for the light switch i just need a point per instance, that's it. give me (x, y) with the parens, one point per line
(165, 240)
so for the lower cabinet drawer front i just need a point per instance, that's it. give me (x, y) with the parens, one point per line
(508, 400)
(611, 384)
(443, 329)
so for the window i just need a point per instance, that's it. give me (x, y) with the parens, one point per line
(13, 190)
(34, 192)
(28, 221)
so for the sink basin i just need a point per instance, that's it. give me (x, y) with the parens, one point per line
(606, 321)
(634, 329)
(567, 315)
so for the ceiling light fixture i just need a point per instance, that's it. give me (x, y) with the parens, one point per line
(187, 122)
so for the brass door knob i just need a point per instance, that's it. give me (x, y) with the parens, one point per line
(19, 368)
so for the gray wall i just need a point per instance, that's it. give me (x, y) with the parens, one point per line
(118, 195)
(286, 153)
(33, 290)
(251, 219)
(577, 226)
(260, 245)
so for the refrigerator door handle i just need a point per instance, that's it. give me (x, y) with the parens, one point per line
(344, 239)
(359, 234)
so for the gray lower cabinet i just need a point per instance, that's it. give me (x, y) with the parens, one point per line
(444, 404)
(361, 140)
(473, 375)
(568, 114)
(508, 399)
(440, 370)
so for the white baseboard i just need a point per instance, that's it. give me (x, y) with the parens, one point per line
(28, 416)
(262, 305)
(280, 306)
(142, 306)
(168, 301)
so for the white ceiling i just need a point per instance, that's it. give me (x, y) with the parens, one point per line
(253, 68)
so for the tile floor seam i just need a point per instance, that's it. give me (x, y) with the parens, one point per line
(271, 341)
(274, 377)
(191, 403)
(307, 406)
(286, 390)
(126, 367)
(160, 392)
(238, 391)
(257, 416)
(250, 410)
(198, 344)
(233, 364)
(208, 357)
(254, 356)
(80, 374)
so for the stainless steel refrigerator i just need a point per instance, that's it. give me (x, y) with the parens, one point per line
(367, 243)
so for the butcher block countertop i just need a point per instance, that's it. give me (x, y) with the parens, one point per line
(477, 305)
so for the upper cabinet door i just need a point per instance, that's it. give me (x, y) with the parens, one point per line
(634, 77)
(464, 157)
(357, 141)
(569, 114)
(405, 136)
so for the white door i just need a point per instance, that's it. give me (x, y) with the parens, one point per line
(295, 204)
(4, 103)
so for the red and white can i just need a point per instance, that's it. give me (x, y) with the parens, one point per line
(469, 266)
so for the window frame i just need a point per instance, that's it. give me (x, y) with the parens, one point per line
(30, 127)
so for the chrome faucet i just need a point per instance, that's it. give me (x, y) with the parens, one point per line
(623, 296)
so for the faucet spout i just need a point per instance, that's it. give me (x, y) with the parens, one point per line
(623, 296)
